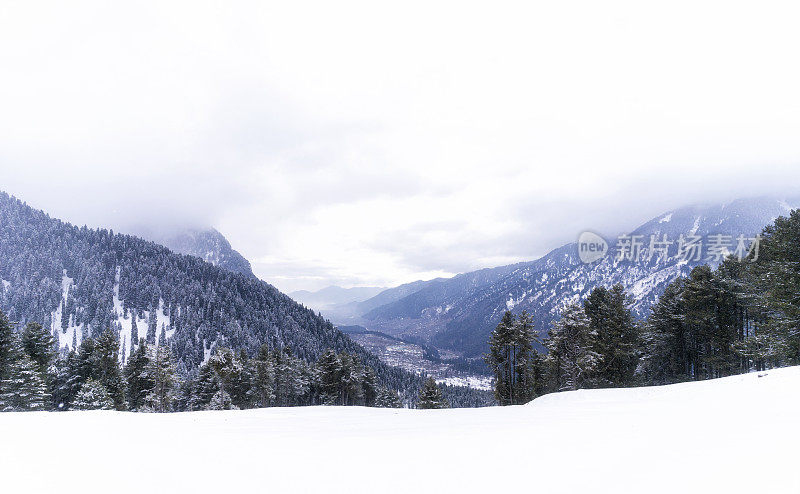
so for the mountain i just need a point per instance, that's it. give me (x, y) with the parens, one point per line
(78, 282)
(335, 295)
(351, 312)
(457, 314)
(207, 244)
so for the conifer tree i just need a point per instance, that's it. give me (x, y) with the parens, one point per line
(138, 378)
(387, 398)
(617, 341)
(328, 374)
(106, 367)
(500, 361)
(241, 388)
(23, 387)
(221, 401)
(667, 354)
(162, 372)
(67, 381)
(38, 343)
(152, 323)
(511, 357)
(370, 387)
(352, 391)
(206, 386)
(430, 396)
(264, 377)
(774, 279)
(7, 349)
(93, 396)
(571, 357)
(134, 329)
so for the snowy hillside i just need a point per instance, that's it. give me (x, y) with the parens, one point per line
(457, 314)
(208, 244)
(734, 435)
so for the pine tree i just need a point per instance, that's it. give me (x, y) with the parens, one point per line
(328, 377)
(138, 378)
(430, 396)
(233, 375)
(352, 391)
(221, 401)
(134, 330)
(152, 325)
(162, 372)
(38, 343)
(369, 387)
(67, 381)
(291, 379)
(106, 370)
(523, 358)
(241, 386)
(571, 357)
(500, 361)
(93, 396)
(264, 377)
(7, 349)
(23, 387)
(511, 358)
(387, 398)
(206, 386)
(774, 278)
(162, 336)
(667, 355)
(617, 341)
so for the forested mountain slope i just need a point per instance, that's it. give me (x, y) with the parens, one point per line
(79, 281)
(206, 243)
(459, 313)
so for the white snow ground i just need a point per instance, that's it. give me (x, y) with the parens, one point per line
(738, 434)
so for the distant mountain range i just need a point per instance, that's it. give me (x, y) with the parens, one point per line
(332, 296)
(458, 313)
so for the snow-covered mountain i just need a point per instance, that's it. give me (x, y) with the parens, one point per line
(208, 244)
(335, 295)
(458, 313)
(79, 282)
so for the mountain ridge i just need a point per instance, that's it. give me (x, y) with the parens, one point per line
(78, 282)
(458, 313)
(206, 243)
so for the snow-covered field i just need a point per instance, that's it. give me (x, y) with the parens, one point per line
(738, 434)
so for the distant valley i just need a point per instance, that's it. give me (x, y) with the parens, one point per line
(454, 316)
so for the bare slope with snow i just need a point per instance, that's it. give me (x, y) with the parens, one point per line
(738, 434)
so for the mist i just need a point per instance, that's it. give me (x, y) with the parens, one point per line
(361, 145)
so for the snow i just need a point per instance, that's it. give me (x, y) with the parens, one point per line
(512, 302)
(732, 435)
(65, 337)
(475, 382)
(666, 219)
(126, 322)
(695, 226)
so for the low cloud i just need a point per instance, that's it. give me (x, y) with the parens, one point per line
(332, 147)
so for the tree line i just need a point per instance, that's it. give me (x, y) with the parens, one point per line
(33, 376)
(742, 316)
(116, 277)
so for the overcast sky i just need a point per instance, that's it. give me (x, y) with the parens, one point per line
(361, 144)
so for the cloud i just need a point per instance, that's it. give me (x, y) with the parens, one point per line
(362, 144)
